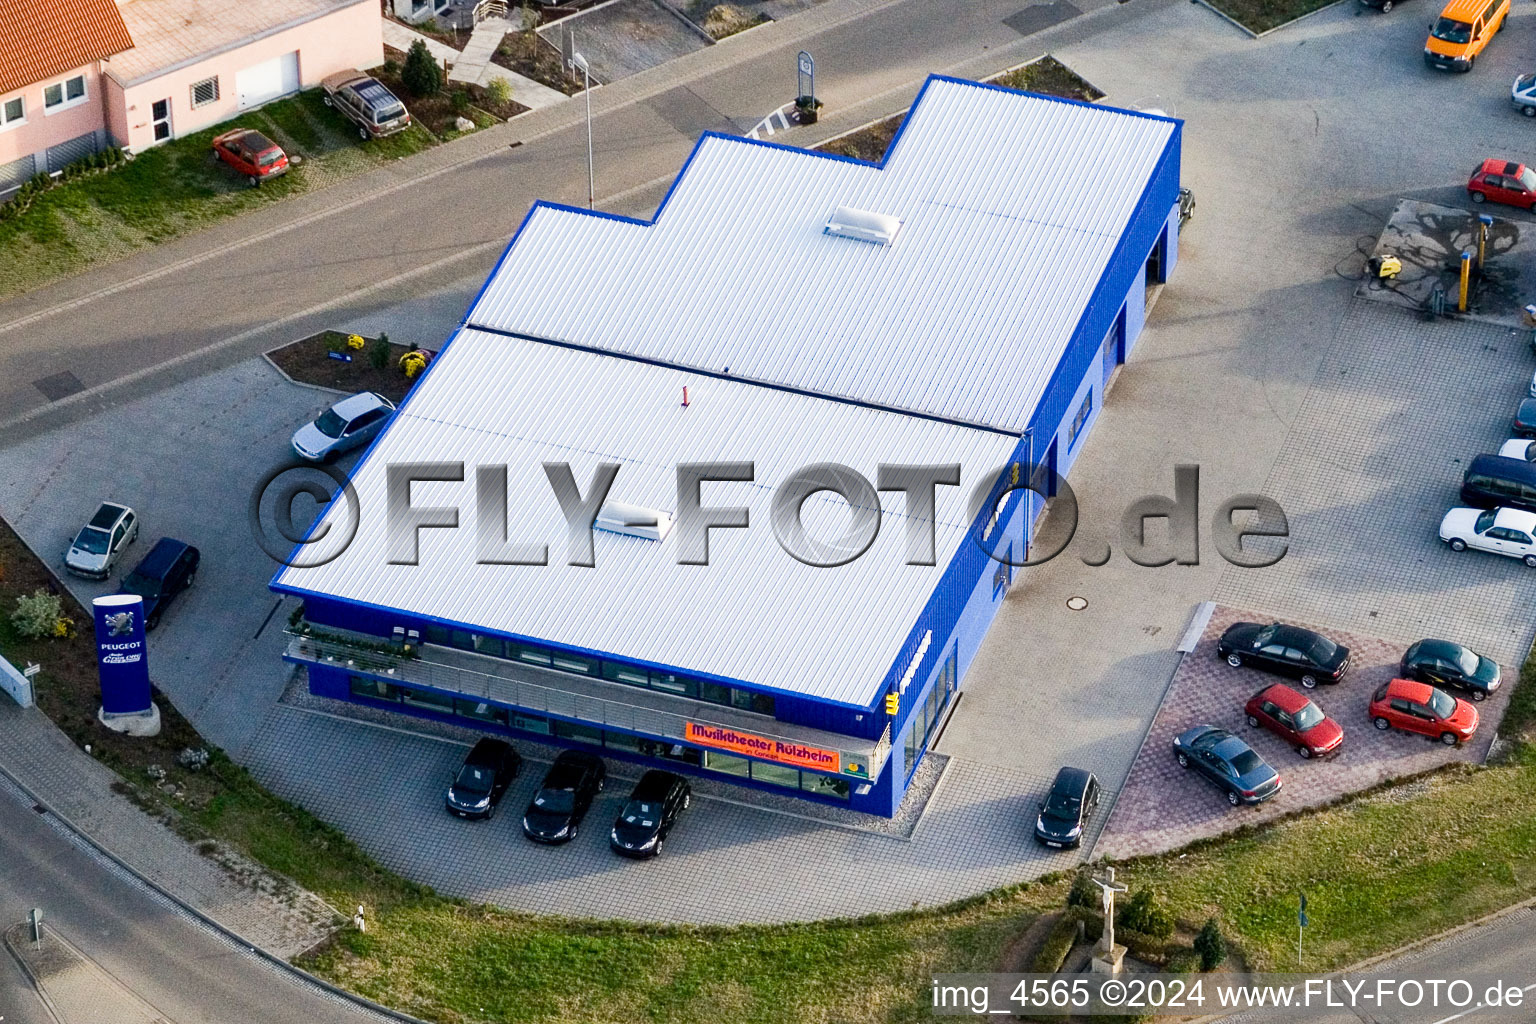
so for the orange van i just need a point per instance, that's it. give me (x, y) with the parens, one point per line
(1461, 32)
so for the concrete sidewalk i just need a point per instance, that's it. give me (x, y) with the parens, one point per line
(266, 910)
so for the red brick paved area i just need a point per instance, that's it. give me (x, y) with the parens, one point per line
(1163, 806)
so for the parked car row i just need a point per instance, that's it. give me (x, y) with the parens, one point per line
(565, 795)
(169, 568)
(1498, 496)
(361, 99)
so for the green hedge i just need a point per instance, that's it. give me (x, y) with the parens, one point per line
(1057, 945)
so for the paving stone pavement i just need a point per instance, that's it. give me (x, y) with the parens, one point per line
(75, 988)
(1164, 807)
(266, 910)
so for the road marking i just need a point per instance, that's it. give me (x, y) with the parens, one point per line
(1464, 1013)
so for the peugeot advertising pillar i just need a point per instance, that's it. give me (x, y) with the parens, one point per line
(122, 661)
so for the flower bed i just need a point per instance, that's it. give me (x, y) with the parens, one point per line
(310, 361)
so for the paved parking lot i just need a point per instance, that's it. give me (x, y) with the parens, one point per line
(1164, 807)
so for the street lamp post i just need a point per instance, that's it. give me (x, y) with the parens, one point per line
(579, 62)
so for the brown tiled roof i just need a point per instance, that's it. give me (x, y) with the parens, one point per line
(43, 38)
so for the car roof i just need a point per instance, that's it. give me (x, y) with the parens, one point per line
(488, 750)
(1516, 519)
(1437, 649)
(374, 91)
(107, 514)
(1464, 10)
(1409, 689)
(1071, 780)
(1296, 633)
(161, 557)
(1284, 698)
(1527, 408)
(654, 785)
(353, 405)
(577, 758)
(1503, 465)
(1228, 747)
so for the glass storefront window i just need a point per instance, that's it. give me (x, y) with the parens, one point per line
(490, 645)
(776, 774)
(746, 700)
(715, 693)
(373, 689)
(668, 683)
(622, 673)
(621, 741)
(574, 663)
(480, 711)
(530, 723)
(437, 634)
(531, 655)
(463, 639)
(427, 699)
(678, 752)
(738, 766)
(583, 733)
(824, 785)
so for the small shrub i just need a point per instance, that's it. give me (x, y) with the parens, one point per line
(378, 352)
(1146, 948)
(1210, 946)
(40, 614)
(1185, 961)
(499, 92)
(1057, 945)
(459, 100)
(391, 68)
(421, 74)
(1084, 893)
(1144, 913)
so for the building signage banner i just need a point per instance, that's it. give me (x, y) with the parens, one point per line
(762, 748)
(122, 660)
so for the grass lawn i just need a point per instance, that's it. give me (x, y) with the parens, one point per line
(1263, 15)
(176, 188)
(1378, 872)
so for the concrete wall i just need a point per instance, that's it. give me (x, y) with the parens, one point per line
(348, 38)
(43, 130)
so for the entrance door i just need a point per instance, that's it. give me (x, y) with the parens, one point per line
(268, 80)
(160, 119)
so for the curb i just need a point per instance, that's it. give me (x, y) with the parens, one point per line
(37, 986)
(298, 974)
(1260, 35)
(267, 358)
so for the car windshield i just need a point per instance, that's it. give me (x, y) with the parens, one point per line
(473, 779)
(1452, 31)
(1307, 717)
(1323, 650)
(269, 158)
(1485, 520)
(1059, 805)
(92, 541)
(138, 583)
(389, 113)
(1245, 762)
(555, 801)
(330, 424)
(1467, 662)
(1442, 704)
(1528, 179)
(642, 814)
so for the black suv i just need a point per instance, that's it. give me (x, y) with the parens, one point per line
(1067, 807)
(659, 797)
(563, 798)
(478, 786)
(168, 569)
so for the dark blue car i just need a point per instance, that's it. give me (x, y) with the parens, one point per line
(1228, 762)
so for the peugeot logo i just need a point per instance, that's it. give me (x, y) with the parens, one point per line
(119, 623)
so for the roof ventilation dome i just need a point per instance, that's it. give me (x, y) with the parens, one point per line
(863, 225)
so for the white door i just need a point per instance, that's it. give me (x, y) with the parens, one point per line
(268, 80)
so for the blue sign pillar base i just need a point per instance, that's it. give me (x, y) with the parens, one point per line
(142, 724)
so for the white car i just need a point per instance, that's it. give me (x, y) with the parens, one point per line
(350, 423)
(1523, 95)
(95, 548)
(1522, 448)
(1503, 531)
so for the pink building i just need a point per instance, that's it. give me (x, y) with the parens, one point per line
(138, 72)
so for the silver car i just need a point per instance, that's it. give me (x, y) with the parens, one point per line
(350, 423)
(97, 545)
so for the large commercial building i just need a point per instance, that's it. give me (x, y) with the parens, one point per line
(964, 302)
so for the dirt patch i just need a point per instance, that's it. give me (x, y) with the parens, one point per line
(531, 56)
(721, 20)
(309, 360)
(1047, 76)
(1020, 952)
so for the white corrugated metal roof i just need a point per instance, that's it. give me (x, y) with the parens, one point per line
(1010, 208)
(753, 614)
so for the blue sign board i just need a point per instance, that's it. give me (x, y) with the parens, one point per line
(122, 660)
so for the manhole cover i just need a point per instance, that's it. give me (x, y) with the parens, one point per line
(1077, 604)
(60, 385)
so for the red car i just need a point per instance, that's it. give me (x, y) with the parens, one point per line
(1503, 181)
(252, 154)
(1419, 707)
(1296, 720)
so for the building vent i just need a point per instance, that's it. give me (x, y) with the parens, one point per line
(633, 521)
(864, 225)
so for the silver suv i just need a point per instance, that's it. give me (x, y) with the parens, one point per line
(366, 103)
(97, 545)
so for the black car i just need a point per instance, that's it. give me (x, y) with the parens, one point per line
(1382, 5)
(1285, 650)
(1228, 762)
(1525, 418)
(1072, 800)
(563, 797)
(168, 569)
(1450, 666)
(653, 808)
(479, 785)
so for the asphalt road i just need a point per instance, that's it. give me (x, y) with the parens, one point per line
(244, 286)
(184, 970)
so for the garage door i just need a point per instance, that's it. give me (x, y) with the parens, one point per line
(268, 80)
